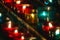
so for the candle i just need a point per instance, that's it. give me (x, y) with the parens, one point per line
(9, 24)
(22, 38)
(16, 31)
(9, 28)
(14, 34)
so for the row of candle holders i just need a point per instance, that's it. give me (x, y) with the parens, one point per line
(12, 32)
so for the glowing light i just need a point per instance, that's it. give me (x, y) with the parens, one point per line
(44, 13)
(50, 25)
(48, 8)
(22, 38)
(0, 14)
(15, 31)
(50, 1)
(18, 2)
(9, 24)
(47, 19)
(33, 10)
(57, 32)
(32, 15)
(24, 6)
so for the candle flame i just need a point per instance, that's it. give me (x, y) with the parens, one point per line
(32, 15)
(50, 25)
(0, 14)
(16, 31)
(22, 37)
(24, 6)
(18, 2)
(9, 24)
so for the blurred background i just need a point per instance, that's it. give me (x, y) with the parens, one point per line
(29, 19)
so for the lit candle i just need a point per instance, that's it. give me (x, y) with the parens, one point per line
(16, 33)
(9, 28)
(18, 2)
(9, 24)
(22, 38)
(23, 8)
